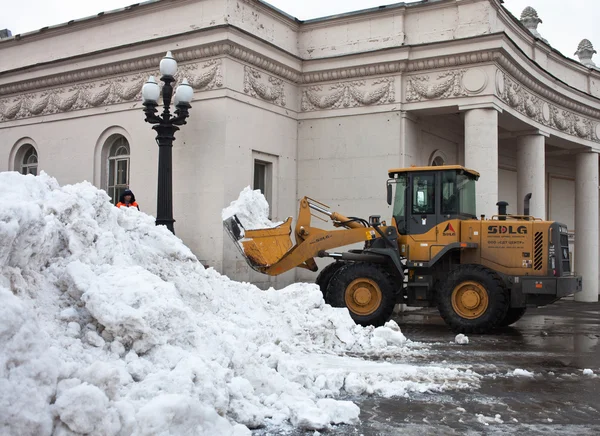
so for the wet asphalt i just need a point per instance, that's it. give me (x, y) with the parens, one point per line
(555, 342)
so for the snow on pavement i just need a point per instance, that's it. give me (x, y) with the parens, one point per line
(109, 325)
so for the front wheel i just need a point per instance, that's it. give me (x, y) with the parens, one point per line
(326, 274)
(366, 289)
(473, 300)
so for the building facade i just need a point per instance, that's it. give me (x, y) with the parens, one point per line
(320, 108)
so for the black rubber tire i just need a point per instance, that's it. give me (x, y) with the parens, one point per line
(512, 316)
(497, 295)
(354, 270)
(326, 274)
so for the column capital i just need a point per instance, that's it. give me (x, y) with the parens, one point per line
(409, 116)
(530, 132)
(484, 105)
(586, 151)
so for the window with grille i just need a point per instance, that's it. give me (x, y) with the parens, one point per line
(29, 164)
(118, 168)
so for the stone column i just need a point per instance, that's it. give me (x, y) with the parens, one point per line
(481, 153)
(409, 140)
(586, 225)
(531, 172)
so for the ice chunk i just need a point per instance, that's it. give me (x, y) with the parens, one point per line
(461, 339)
(521, 373)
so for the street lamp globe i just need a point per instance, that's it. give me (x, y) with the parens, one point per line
(168, 65)
(184, 93)
(150, 91)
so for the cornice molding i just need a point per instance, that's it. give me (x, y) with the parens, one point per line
(30, 98)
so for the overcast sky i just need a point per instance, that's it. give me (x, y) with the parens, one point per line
(565, 22)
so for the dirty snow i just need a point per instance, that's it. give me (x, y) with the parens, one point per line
(487, 420)
(520, 373)
(252, 209)
(109, 325)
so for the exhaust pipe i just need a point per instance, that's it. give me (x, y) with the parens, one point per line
(526, 204)
(502, 210)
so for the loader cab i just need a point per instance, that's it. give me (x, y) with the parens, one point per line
(427, 196)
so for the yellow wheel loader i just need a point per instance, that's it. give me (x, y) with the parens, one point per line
(480, 273)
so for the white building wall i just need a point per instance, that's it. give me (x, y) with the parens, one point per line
(507, 189)
(252, 132)
(343, 162)
(199, 179)
(66, 148)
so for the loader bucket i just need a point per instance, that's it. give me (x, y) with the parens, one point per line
(261, 247)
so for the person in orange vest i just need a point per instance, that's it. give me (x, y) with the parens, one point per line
(127, 199)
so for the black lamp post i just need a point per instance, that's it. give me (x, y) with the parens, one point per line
(165, 125)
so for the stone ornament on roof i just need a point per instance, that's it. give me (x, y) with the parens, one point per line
(585, 51)
(530, 19)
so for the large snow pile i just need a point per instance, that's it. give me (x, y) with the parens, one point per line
(110, 326)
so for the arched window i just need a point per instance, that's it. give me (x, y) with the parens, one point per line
(437, 159)
(118, 167)
(29, 162)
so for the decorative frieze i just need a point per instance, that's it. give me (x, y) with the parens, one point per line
(349, 94)
(550, 94)
(104, 92)
(538, 109)
(65, 92)
(435, 86)
(254, 84)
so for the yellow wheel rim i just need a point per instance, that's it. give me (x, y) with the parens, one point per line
(363, 296)
(470, 300)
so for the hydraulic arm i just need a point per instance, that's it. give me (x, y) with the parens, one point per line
(270, 251)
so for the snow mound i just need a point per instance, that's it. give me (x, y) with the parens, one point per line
(252, 209)
(110, 325)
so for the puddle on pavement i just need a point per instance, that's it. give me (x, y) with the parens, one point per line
(555, 343)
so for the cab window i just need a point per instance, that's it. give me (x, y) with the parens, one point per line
(400, 203)
(423, 195)
(449, 193)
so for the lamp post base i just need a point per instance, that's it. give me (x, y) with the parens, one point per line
(166, 222)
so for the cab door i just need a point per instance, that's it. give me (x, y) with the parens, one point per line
(423, 208)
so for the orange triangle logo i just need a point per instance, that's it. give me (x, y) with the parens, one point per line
(449, 228)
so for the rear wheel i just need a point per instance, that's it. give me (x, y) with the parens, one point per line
(512, 316)
(326, 274)
(366, 289)
(473, 300)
